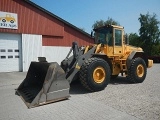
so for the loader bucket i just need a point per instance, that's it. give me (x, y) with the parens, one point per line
(44, 83)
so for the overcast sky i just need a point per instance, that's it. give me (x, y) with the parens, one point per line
(83, 13)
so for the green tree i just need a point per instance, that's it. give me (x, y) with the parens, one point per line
(134, 39)
(149, 33)
(100, 23)
(156, 49)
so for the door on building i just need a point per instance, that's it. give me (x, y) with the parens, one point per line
(10, 52)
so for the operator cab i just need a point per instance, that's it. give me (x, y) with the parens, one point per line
(110, 35)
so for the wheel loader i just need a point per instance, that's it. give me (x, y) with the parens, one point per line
(93, 65)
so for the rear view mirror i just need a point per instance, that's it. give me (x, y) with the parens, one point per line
(126, 40)
(92, 34)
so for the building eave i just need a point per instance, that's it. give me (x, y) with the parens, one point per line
(58, 18)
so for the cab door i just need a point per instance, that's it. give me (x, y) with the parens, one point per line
(118, 41)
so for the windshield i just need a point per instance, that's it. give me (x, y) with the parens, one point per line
(104, 36)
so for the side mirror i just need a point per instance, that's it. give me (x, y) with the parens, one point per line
(126, 40)
(92, 34)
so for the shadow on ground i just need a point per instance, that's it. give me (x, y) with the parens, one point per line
(119, 80)
(77, 88)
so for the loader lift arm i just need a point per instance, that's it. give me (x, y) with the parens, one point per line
(68, 63)
(71, 65)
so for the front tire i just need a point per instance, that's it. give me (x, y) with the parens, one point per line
(137, 71)
(114, 76)
(95, 74)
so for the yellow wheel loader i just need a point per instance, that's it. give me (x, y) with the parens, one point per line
(94, 65)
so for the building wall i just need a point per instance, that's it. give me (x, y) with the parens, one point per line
(31, 49)
(31, 20)
(55, 54)
(43, 33)
(70, 35)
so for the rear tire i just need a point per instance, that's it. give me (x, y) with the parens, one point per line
(95, 74)
(137, 71)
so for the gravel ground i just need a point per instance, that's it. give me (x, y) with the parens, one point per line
(140, 100)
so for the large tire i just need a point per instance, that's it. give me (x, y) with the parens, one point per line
(137, 71)
(95, 74)
(114, 76)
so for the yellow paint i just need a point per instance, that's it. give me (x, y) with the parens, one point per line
(116, 69)
(98, 49)
(140, 70)
(77, 66)
(86, 49)
(8, 18)
(150, 63)
(99, 75)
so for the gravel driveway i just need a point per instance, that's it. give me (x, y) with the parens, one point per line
(120, 100)
(140, 100)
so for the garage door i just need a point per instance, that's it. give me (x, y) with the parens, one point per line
(10, 52)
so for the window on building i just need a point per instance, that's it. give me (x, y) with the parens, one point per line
(16, 50)
(16, 56)
(10, 56)
(3, 50)
(10, 50)
(3, 57)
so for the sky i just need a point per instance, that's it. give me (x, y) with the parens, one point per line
(84, 13)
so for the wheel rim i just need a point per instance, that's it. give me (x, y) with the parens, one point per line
(140, 70)
(99, 74)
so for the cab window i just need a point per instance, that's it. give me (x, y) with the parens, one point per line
(109, 39)
(118, 37)
(100, 38)
(104, 36)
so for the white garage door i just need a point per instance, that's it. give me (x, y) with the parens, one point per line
(10, 52)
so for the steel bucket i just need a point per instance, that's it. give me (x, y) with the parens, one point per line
(44, 83)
